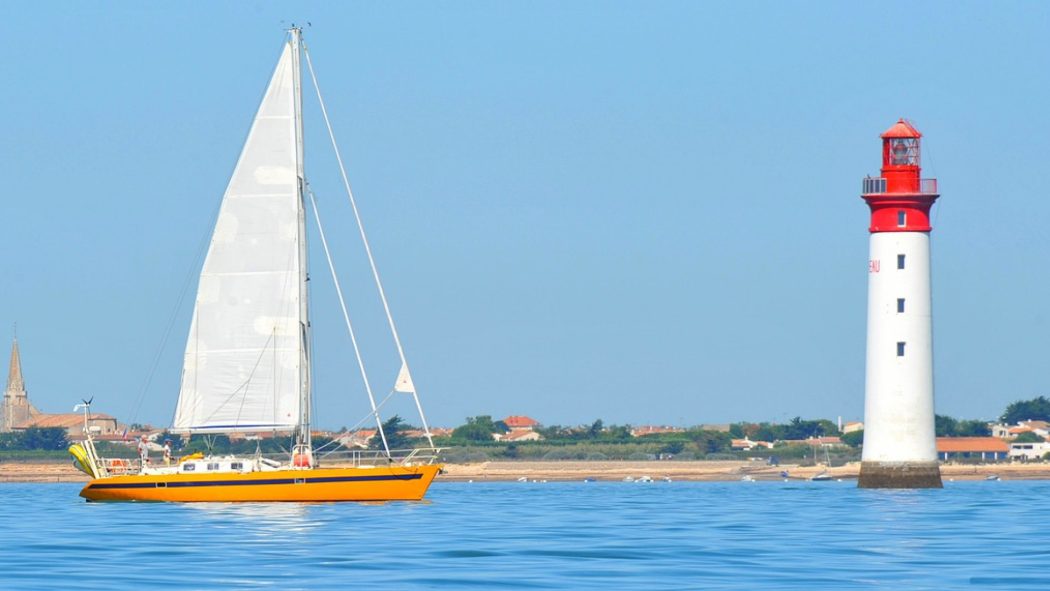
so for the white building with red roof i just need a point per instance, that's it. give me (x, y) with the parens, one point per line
(521, 422)
(516, 435)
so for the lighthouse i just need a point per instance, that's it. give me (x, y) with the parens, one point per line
(900, 448)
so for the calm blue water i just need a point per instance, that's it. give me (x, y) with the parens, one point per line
(766, 535)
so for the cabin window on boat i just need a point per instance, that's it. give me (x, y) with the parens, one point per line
(189, 467)
(213, 466)
(900, 349)
(236, 466)
(900, 305)
(900, 261)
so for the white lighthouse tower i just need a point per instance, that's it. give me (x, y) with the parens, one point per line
(899, 441)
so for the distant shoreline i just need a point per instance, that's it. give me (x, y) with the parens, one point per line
(706, 471)
(557, 470)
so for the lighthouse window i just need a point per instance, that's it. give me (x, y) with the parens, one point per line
(902, 218)
(900, 305)
(900, 348)
(904, 151)
(900, 261)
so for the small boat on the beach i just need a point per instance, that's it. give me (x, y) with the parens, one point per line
(247, 363)
(992, 478)
(823, 475)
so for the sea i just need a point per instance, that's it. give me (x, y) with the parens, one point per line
(540, 535)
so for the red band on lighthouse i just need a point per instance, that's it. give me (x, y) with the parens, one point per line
(900, 200)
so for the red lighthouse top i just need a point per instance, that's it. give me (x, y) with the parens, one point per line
(900, 199)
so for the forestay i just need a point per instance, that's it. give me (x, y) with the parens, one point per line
(246, 358)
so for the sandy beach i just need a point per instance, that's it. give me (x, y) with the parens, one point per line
(700, 471)
(710, 471)
(12, 471)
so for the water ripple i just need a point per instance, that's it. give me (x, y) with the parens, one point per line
(541, 536)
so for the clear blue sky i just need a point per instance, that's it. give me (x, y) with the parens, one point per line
(644, 212)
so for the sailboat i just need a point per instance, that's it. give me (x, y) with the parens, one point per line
(247, 362)
(823, 475)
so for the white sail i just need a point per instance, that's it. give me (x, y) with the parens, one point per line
(246, 362)
(404, 380)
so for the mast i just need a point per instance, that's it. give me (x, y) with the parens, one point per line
(303, 430)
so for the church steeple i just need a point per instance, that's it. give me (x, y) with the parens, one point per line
(16, 386)
(16, 408)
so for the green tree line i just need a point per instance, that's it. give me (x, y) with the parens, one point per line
(34, 438)
(1036, 409)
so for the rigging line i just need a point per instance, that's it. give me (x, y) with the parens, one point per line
(364, 238)
(365, 418)
(273, 339)
(277, 371)
(322, 447)
(378, 407)
(174, 315)
(346, 317)
(245, 385)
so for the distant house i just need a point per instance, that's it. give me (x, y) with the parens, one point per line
(114, 438)
(1029, 451)
(816, 441)
(654, 430)
(985, 448)
(518, 435)
(852, 427)
(73, 423)
(1040, 428)
(359, 439)
(829, 441)
(746, 444)
(1001, 431)
(1013, 432)
(719, 427)
(521, 422)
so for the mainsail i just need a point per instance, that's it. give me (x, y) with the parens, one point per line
(246, 365)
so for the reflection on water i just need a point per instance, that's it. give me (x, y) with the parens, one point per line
(765, 535)
(262, 518)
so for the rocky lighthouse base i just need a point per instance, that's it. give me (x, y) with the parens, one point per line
(900, 475)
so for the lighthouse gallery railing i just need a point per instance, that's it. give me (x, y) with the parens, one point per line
(874, 185)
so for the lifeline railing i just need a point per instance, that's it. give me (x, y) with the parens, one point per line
(420, 456)
(359, 457)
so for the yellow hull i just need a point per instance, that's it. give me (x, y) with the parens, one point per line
(392, 483)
